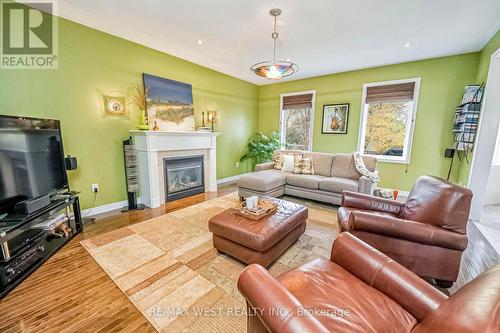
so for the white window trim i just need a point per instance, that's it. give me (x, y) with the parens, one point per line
(405, 159)
(282, 123)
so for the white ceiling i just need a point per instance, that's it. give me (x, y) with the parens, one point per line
(321, 36)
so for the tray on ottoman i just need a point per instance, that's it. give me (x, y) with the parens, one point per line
(264, 207)
(259, 241)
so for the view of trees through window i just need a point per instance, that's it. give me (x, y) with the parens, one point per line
(386, 128)
(296, 128)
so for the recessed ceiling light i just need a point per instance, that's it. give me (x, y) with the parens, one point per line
(407, 44)
(287, 59)
(199, 42)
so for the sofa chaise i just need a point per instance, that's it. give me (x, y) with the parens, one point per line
(334, 173)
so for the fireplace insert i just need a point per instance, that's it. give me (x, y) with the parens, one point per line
(184, 177)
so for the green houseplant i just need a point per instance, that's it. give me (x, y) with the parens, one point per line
(260, 148)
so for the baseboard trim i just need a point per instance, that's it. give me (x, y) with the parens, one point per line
(229, 180)
(104, 208)
(120, 204)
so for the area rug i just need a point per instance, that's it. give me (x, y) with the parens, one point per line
(170, 271)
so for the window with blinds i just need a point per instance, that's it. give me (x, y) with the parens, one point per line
(388, 115)
(297, 114)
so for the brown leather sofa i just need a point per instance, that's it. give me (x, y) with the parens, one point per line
(362, 290)
(427, 234)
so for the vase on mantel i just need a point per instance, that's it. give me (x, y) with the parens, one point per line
(143, 121)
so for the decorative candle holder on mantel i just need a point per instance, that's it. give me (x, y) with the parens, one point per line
(203, 127)
(212, 117)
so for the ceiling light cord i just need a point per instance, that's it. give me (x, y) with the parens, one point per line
(275, 69)
(274, 35)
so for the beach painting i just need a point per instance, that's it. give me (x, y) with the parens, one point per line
(169, 104)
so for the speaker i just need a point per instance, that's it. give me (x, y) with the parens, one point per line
(32, 205)
(70, 162)
(449, 153)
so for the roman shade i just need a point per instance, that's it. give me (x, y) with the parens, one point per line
(401, 92)
(297, 102)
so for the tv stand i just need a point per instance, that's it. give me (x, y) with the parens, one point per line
(23, 249)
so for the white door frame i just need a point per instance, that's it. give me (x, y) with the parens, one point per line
(486, 138)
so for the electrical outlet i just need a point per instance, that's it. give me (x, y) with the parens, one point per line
(238, 164)
(95, 188)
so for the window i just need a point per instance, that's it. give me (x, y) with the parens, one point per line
(297, 115)
(388, 117)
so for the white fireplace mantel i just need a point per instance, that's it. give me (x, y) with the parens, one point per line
(153, 146)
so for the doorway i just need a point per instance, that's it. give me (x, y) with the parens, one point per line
(483, 180)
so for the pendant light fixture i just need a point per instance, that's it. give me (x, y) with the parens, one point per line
(275, 69)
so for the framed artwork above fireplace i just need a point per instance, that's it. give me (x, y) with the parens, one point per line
(169, 104)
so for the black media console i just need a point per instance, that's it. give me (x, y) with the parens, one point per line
(25, 245)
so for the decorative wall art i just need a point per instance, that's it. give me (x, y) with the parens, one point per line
(335, 117)
(169, 104)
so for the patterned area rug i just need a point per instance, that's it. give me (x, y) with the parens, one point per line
(170, 271)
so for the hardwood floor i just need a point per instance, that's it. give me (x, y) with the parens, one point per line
(478, 256)
(71, 293)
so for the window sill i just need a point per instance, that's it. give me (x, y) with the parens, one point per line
(379, 160)
(382, 159)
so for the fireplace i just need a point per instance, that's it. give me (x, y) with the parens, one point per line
(184, 177)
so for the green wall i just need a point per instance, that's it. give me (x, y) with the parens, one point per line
(92, 63)
(482, 75)
(442, 84)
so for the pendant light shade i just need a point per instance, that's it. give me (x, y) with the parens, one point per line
(275, 69)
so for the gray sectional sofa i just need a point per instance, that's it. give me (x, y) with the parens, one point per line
(334, 173)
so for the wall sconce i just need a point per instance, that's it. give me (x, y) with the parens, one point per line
(212, 118)
(114, 106)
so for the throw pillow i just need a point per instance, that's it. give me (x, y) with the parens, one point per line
(278, 164)
(297, 165)
(307, 166)
(304, 166)
(288, 163)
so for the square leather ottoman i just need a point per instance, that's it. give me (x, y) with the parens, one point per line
(259, 241)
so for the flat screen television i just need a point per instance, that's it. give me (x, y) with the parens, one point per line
(31, 159)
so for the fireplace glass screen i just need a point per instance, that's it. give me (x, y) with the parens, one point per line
(183, 177)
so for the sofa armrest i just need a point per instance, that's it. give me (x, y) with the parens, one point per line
(370, 202)
(384, 274)
(408, 230)
(276, 307)
(366, 185)
(264, 166)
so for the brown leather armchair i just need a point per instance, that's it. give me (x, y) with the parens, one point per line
(362, 290)
(427, 234)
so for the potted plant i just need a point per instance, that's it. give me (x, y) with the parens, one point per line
(260, 148)
(139, 100)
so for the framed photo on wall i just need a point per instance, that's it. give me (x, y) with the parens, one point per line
(335, 117)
